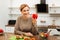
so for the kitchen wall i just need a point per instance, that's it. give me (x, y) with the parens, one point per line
(33, 2)
(5, 11)
(53, 2)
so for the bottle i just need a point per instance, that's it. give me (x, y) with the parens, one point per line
(53, 22)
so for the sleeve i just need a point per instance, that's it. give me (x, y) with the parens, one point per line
(35, 29)
(17, 29)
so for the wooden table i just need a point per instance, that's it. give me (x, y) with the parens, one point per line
(2, 37)
(8, 35)
(52, 38)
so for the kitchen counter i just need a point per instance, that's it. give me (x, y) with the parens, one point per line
(8, 35)
(10, 25)
(48, 26)
(2, 37)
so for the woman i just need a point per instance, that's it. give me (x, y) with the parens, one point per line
(25, 24)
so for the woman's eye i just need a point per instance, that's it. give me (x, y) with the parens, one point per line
(24, 10)
(27, 10)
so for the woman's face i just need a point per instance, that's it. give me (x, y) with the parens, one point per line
(25, 11)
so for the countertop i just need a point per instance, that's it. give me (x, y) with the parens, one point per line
(8, 35)
(40, 26)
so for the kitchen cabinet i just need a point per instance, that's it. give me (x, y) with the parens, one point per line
(54, 11)
(9, 29)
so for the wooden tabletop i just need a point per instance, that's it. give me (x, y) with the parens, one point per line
(2, 37)
(8, 35)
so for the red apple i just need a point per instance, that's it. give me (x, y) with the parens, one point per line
(1, 31)
(46, 34)
(34, 16)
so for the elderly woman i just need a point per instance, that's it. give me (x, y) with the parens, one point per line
(25, 24)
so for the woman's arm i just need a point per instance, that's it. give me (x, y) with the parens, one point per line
(34, 27)
(35, 30)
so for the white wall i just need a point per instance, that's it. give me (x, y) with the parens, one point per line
(33, 2)
(53, 2)
(4, 13)
(17, 3)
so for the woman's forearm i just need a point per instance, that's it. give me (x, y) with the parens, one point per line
(19, 32)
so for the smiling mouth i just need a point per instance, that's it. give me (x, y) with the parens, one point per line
(25, 14)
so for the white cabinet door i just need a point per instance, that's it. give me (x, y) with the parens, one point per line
(54, 10)
(53, 32)
(9, 29)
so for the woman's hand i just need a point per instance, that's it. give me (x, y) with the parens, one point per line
(34, 17)
(34, 21)
(28, 34)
